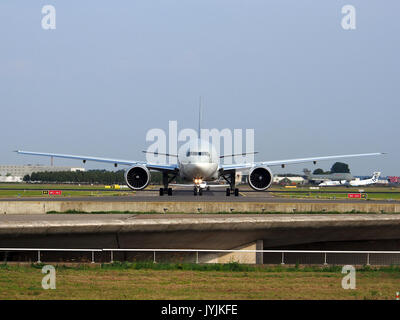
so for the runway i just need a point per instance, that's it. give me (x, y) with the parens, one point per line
(180, 195)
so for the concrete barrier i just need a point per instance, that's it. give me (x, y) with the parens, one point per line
(42, 207)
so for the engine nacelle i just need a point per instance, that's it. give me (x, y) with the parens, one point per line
(260, 178)
(137, 177)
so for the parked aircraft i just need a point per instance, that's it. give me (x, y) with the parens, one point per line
(352, 183)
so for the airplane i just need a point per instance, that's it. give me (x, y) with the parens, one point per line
(199, 162)
(352, 183)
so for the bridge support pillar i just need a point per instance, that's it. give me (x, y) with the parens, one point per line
(259, 255)
(239, 257)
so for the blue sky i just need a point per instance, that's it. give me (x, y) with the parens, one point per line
(112, 70)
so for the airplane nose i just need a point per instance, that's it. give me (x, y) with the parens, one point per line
(199, 170)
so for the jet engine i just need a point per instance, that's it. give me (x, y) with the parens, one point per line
(137, 177)
(260, 178)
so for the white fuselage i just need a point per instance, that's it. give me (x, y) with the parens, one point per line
(334, 183)
(357, 183)
(352, 183)
(198, 160)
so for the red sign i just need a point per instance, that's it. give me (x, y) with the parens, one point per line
(55, 192)
(394, 179)
(354, 195)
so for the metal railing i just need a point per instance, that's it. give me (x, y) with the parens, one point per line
(283, 254)
(40, 250)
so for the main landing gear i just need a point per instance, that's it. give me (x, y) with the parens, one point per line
(166, 181)
(168, 191)
(229, 177)
(235, 192)
(197, 191)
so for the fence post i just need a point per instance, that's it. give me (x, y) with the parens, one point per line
(283, 258)
(368, 259)
(112, 256)
(197, 257)
(38, 257)
(154, 257)
(325, 259)
(92, 256)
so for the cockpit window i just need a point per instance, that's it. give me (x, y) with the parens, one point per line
(200, 153)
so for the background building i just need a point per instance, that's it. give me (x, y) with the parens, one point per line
(289, 180)
(15, 173)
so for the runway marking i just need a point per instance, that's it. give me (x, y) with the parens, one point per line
(242, 194)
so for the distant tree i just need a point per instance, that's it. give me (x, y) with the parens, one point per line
(90, 176)
(318, 171)
(340, 167)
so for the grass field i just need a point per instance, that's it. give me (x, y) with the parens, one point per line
(86, 190)
(116, 282)
(373, 193)
(333, 196)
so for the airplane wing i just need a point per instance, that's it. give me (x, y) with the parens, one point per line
(293, 161)
(152, 166)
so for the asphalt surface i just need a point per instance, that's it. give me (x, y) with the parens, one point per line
(247, 190)
(187, 196)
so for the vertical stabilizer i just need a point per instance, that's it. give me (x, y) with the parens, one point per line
(375, 176)
(307, 172)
